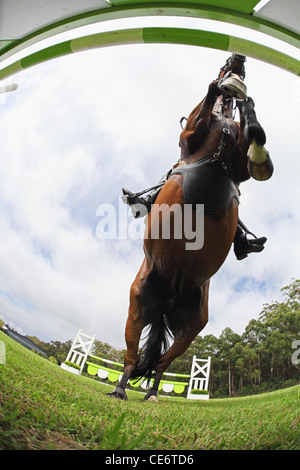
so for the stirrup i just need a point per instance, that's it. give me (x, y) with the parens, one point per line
(127, 195)
(246, 230)
(137, 204)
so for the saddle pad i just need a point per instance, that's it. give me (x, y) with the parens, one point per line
(206, 182)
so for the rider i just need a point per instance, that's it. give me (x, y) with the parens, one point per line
(141, 206)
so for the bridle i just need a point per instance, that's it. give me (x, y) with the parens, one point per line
(229, 65)
(219, 155)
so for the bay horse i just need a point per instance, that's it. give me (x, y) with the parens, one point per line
(170, 291)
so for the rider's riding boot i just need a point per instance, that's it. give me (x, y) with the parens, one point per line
(252, 129)
(242, 246)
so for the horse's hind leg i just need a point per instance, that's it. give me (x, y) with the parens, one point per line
(179, 346)
(134, 326)
(181, 342)
(252, 128)
(253, 136)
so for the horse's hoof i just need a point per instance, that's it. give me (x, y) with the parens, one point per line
(152, 398)
(151, 395)
(233, 86)
(118, 393)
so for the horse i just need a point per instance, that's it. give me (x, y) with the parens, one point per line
(170, 292)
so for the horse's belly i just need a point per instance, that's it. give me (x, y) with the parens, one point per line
(171, 250)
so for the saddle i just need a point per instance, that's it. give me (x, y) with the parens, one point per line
(206, 182)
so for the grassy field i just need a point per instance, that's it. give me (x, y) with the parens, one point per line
(44, 407)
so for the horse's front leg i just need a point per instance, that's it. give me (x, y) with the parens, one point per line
(134, 326)
(198, 122)
(260, 165)
(209, 101)
(132, 335)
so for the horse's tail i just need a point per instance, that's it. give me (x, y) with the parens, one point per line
(156, 345)
(153, 300)
(165, 310)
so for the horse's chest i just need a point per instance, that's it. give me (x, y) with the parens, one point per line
(206, 182)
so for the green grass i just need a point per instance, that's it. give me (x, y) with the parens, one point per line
(45, 407)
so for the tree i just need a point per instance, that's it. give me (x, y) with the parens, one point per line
(245, 360)
(106, 351)
(279, 326)
(227, 341)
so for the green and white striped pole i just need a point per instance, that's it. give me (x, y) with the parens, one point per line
(155, 35)
(8, 88)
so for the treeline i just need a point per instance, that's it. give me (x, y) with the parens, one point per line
(57, 351)
(261, 359)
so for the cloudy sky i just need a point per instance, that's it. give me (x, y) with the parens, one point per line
(78, 129)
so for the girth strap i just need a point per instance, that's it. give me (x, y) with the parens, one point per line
(219, 155)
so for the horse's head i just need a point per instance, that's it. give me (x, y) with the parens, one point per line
(235, 64)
